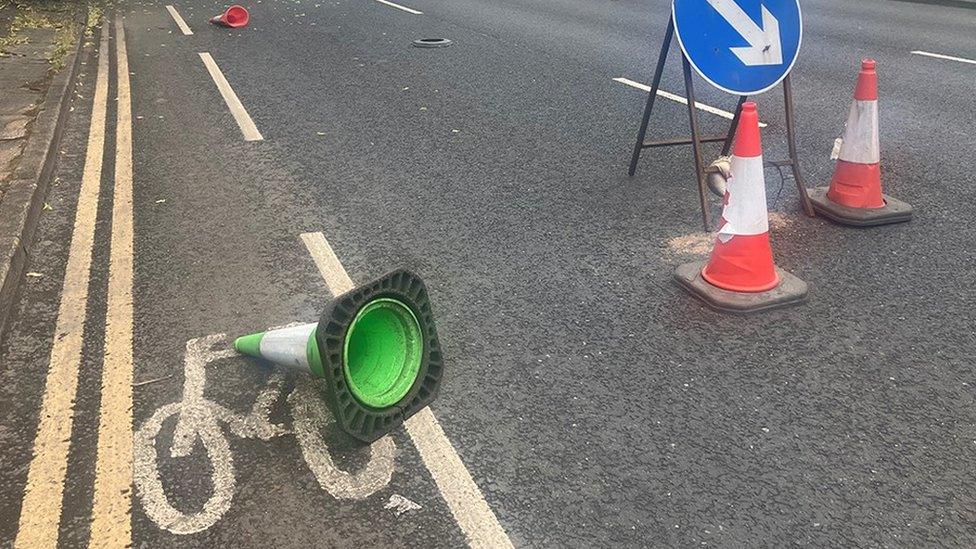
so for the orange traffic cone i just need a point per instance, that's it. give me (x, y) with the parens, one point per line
(741, 277)
(234, 17)
(854, 196)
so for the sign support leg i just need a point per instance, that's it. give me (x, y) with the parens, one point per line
(697, 139)
(696, 143)
(801, 186)
(655, 85)
(727, 146)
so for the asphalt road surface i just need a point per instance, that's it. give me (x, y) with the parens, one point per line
(588, 401)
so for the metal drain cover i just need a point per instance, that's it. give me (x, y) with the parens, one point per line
(432, 43)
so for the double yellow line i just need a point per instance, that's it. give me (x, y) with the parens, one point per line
(40, 514)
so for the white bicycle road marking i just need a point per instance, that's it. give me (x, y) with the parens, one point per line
(310, 416)
(199, 419)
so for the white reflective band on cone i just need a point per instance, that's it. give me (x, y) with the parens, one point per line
(287, 346)
(745, 214)
(861, 142)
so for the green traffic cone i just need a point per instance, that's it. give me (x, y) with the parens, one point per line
(377, 347)
(294, 347)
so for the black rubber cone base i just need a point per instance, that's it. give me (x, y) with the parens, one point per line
(791, 291)
(359, 420)
(894, 211)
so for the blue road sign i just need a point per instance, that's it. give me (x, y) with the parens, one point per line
(743, 47)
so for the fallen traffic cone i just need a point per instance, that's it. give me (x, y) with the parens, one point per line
(741, 277)
(854, 196)
(234, 17)
(375, 345)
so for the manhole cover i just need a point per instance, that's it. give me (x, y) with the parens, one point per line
(432, 43)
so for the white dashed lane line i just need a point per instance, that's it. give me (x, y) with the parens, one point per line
(237, 109)
(399, 7)
(678, 99)
(946, 57)
(179, 20)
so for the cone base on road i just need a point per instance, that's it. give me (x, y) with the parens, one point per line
(361, 418)
(790, 291)
(894, 211)
(375, 346)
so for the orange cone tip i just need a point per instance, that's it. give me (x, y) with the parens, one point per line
(867, 82)
(747, 141)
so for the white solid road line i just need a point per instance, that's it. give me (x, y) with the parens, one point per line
(247, 126)
(948, 57)
(179, 20)
(332, 271)
(678, 99)
(463, 497)
(40, 513)
(112, 503)
(399, 7)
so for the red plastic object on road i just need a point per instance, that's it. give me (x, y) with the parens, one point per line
(854, 196)
(741, 277)
(234, 17)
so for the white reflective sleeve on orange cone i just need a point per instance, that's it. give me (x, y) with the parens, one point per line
(745, 213)
(861, 142)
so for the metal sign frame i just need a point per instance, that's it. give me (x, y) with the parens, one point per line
(696, 137)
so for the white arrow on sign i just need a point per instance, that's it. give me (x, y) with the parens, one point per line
(765, 46)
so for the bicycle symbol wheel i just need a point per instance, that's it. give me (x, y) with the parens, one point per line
(150, 486)
(310, 415)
